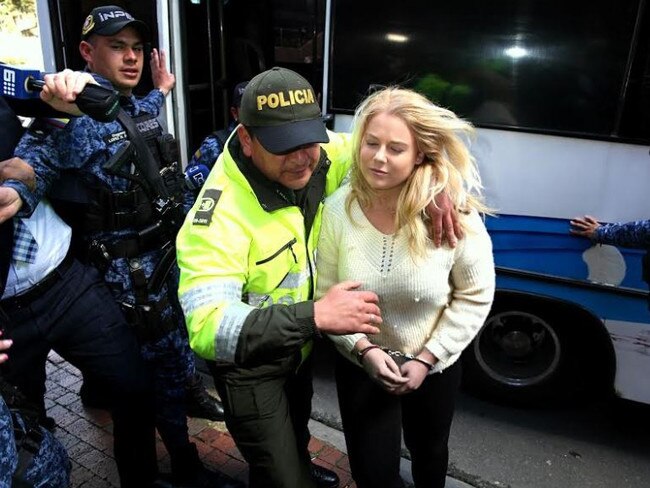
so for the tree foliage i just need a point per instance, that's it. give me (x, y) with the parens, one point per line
(22, 5)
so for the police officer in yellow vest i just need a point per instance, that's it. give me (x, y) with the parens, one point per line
(246, 253)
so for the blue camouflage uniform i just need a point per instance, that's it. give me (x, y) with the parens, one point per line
(630, 234)
(8, 455)
(211, 148)
(48, 468)
(82, 148)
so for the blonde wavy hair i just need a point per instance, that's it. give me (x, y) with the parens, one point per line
(440, 135)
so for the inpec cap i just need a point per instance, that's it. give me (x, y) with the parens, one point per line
(280, 108)
(109, 20)
(237, 93)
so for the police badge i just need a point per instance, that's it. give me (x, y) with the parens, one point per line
(89, 23)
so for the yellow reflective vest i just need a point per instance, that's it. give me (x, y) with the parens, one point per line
(246, 256)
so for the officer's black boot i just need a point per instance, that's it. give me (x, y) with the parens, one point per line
(188, 472)
(199, 403)
(323, 477)
(48, 422)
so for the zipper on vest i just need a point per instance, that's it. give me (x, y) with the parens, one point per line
(288, 245)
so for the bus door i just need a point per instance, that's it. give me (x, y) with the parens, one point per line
(227, 42)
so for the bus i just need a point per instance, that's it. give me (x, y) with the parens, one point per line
(560, 95)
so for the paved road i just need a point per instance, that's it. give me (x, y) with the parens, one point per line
(600, 445)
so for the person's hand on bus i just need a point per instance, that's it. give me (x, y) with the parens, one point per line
(346, 310)
(443, 222)
(383, 370)
(17, 169)
(585, 226)
(160, 75)
(4, 345)
(10, 203)
(61, 89)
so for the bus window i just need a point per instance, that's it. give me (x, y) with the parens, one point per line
(553, 66)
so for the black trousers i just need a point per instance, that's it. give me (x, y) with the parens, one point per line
(373, 421)
(79, 319)
(268, 419)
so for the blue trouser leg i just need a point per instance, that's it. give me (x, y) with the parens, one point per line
(8, 454)
(48, 467)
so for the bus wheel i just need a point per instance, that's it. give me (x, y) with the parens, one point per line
(518, 356)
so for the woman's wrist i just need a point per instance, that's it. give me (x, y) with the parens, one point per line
(427, 356)
(424, 363)
(361, 347)
(361, 344)
(362, 352)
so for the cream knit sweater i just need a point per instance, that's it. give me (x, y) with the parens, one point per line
(438, 302)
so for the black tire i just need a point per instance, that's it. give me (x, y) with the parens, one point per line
(533, 352)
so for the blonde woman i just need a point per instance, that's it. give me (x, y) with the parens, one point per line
(432, 300)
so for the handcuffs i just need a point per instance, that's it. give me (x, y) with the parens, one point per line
(398, 356)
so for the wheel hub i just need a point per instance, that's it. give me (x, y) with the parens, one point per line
(517, 344)
(518, 348)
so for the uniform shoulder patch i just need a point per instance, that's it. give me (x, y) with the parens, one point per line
(209, 199)
(41, 127)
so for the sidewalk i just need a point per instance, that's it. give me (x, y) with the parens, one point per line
(87, 435)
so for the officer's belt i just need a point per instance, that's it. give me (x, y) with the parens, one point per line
(147, 320)
(26, 297)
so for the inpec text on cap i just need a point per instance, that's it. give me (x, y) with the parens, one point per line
(103, 16)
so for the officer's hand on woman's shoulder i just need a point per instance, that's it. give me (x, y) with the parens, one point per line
(443, 222)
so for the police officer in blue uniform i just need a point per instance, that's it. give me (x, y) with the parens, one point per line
(127, 176)
(212, 146)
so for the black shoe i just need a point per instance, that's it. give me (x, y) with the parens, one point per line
(93, 396)
(199, 403)
(48, 422)
(323, 477)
